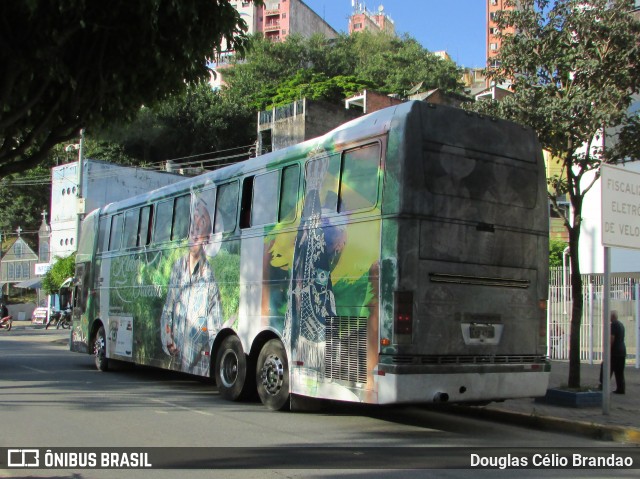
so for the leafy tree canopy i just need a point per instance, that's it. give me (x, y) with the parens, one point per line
(372, 60)
(70, 64)
(316, 86)
(573, 68)
(194, 122)
(62, 269)
(556, 250)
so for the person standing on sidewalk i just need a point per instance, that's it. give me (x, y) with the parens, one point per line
(618, 353)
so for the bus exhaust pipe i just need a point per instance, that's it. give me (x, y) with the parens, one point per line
(441, 397)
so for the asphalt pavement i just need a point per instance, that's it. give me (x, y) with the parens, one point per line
(621, 423)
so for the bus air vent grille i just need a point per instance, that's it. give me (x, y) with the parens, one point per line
(452, 359)
(345, 356)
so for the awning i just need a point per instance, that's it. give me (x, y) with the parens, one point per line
(33, 283)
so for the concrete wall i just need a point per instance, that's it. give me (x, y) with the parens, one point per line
(306, 22)
(302, 123)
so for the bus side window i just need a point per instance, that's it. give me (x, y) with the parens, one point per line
(144, 230)
(181, 217)
(115, 237)
(131, 219)
(103, 228)
(245, 204)
(162, 227)
(289, 193)
(226, 208)
(264, 206)
(321, 185)
(359, 179)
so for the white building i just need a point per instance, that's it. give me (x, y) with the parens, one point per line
(73, 195)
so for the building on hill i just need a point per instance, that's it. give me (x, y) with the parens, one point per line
(363, 20)
(296, 122)
(276, 20)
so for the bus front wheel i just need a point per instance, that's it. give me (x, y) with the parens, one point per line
(231, 369)
(100, 350)
(272, 373)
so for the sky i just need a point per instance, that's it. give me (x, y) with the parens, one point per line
(456, 26)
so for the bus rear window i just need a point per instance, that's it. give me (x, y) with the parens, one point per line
(488, 179)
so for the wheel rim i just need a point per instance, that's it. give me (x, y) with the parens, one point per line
(272, 374)
(229, 368)
(99, 347)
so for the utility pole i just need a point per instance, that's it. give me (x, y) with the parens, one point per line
(80, 201)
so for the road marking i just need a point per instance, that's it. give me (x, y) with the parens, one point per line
(182, 407)
(34, 369)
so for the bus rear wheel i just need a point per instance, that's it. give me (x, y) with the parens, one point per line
(100, 350)
(272, 371)
(231, 370)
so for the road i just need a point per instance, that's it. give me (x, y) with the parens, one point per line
(53, 398)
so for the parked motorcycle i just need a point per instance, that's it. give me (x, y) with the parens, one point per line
(65, 319)
(54, 318)
(6, 322)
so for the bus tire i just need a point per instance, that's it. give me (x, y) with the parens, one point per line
(100, 350)
(272, 375)
(231, 370)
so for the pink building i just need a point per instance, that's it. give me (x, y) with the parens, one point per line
(362, 19)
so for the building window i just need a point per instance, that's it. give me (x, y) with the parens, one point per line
(494, 2)
(18, 250)
(493, 46)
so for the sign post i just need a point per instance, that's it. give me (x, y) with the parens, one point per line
(620, 229)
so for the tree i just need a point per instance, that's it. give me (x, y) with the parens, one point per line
(316, 86)
(62, 269)
(71, 64)
(556, 252)
(195, 122)
(376, 60)
(23, 197)
(573, 68)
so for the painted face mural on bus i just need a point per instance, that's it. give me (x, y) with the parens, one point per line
(192, 313)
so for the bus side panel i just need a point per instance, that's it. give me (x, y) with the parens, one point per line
(332, 311)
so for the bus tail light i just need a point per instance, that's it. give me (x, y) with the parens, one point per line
(403, 311)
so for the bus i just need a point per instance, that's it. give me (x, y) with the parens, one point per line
(400, 258)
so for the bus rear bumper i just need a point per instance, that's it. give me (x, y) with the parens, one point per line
(460, 387)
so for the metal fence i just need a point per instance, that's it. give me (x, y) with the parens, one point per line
(625, 291)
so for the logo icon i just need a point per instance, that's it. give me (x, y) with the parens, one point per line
(23, 458)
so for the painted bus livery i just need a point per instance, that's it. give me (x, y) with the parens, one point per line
(400, 258)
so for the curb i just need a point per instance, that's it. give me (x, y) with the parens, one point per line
(622, 434)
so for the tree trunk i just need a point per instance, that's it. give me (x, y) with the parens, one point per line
(576, 310)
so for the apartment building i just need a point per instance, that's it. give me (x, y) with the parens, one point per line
(276, 20)
(493, 41)
(362, 19)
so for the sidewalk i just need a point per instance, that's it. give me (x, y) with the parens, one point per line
(622, 424)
